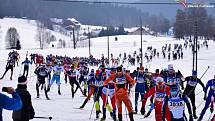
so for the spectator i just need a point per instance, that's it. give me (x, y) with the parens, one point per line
(27, 111)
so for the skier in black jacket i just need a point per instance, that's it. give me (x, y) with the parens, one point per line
(42, 73)
(9, 66)
(192, 81)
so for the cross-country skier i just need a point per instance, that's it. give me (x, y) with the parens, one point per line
(154, 77)
(49, 69)
(84, 70)
(67, 68)
(42, 74)
(192, 81)
(212, 109)
(172, 78)
(176, 104)
(9, 66)
(26, 63)
(160, 91)
(73, 75)
(120, 80)
(99, 84)
(210, 84)
(109, 91)
(140, 88)
(56, 76)
(91, 86)
(149, 83)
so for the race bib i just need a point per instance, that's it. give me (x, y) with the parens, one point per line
(192, 83)
(140, 80)
(160, 96)
(177, 108)
(99, 83)
(120, 80)
(171, 81)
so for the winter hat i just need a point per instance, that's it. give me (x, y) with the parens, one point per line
(142, 68)
(170, 67)
(157, 70)
(22, 80)
(174, 91)
(92, 70)
(146, 70)
(97, 72)
(194, 73)
(159, 81)
(119, 69)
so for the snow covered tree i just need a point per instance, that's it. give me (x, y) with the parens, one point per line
(11, 39)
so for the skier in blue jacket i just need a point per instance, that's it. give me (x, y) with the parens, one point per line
(14, 103)
(210, 84)
(26, 63)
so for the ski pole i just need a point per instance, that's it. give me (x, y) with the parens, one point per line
(200, 79)
(93, 105)
(205, 72)
(50, 118)
(199, 104)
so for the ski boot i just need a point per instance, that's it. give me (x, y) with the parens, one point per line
(131, 116)
(194, 114)
(142, 111)
(97, 114)
(59, 90)
(119, 117)
(135, 112)
(113, 115)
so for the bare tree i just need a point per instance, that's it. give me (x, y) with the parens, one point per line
(40, 34)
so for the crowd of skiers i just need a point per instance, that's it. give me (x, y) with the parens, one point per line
(113, 85)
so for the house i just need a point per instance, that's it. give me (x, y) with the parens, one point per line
(71, 23)
(137, 31)
(171, 32)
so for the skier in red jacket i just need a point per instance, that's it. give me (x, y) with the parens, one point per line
(160, 91)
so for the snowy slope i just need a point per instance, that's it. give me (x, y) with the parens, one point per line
(61, 108)
(27, 30)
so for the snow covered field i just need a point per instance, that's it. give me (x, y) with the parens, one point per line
(62, 107)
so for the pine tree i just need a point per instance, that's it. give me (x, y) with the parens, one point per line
(179, 26)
